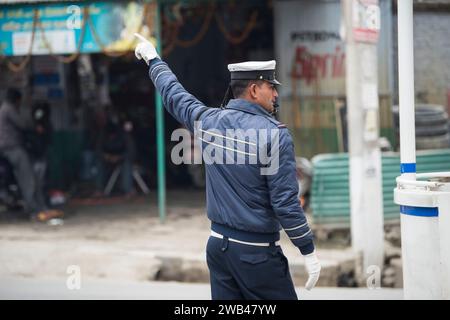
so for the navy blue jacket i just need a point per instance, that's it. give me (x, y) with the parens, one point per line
(242, 202)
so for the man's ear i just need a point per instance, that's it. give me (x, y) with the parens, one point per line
(252, 90)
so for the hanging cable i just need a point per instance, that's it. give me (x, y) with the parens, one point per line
(19, 67)
(74, 55)
(87, 21)
(248, 28)
(204, 28)
(172, 40)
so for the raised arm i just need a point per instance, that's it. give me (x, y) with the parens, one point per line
(182, 105)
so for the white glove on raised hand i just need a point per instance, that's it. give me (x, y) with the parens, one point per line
(313, 267)
(145, 49)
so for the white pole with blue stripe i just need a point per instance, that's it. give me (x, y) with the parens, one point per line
(425, 239)
(406, 89)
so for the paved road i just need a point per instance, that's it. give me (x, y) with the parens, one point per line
(28, 288)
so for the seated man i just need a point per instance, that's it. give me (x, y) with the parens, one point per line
(116, 148)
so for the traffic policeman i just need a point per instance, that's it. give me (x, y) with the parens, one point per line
(248, 203)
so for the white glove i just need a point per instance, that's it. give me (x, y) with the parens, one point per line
(145, 49)
(313, 267)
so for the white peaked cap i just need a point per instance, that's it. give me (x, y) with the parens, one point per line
(254, 70)
(252, 66)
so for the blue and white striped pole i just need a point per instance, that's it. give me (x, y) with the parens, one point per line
(425, 242)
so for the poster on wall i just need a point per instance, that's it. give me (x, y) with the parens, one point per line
(71, 27)
(366, 21)
(310, 52)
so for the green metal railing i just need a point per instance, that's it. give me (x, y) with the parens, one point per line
(330, 195)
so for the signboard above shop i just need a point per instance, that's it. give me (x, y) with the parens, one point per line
(366, 21)
(71, 27)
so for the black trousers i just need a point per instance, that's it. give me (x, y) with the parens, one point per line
(240, 271)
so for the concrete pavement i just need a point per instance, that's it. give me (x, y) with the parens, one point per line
(23, 288)
(125, 241)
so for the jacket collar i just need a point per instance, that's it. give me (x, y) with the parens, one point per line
(247, 106)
